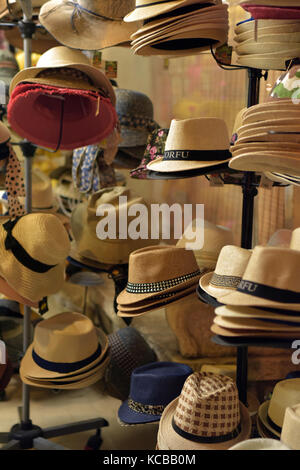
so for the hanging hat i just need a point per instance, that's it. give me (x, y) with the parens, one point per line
(128, 350)
(33, 261)
(214, 238)
(207, 415)
(291, 426)
(88, 24)
(155, 149)
(286, 393)
(67, 352)
(228, 273)
(191, 144)
(270, 280)
(152, 387)
(260, 444)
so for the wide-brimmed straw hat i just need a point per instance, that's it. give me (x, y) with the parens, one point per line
(67, 350)
(157, 272)
(85, 220)
(33, 261)
(291, 427)
(88, 24)
(191, 144)
(270, 280)
(228, 273)
(152, 387)
(286, 393)
(206, 416)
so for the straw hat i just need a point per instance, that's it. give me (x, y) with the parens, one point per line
(152, 387)
(258, 325)
(33, 261)
(271, 413)
(248, 313)
(260, 444)
(206, 416)
(156, 271)
(61, 58)
(214, 238)
(191, 144)
(154, 149)
(66, 348)
(85, 220)
(284, 179)
(88, 24)
(270, 280)
(290, 427)
(256, 336)
(228, 273)
(295, 239)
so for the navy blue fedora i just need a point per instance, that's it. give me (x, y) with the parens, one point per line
(152, 387)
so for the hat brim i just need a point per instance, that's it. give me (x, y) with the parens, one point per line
(149, 11)
(248, 312)
(263, 416)
(263, 431)
(205, 285)
(175, 442)
(246, 300)
(264, 161)
(91, 33)
(129, 416)
(246, 334)
(162, 165)
(263, 62)
(254, 324)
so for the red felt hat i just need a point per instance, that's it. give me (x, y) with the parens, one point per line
(56, 117)
(263, 12)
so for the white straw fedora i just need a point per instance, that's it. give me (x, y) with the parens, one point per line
(228, 273)
(191, 144)
(291, 427)
(270, 280)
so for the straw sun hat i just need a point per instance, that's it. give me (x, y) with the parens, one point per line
(192, 144)
(206, 416)
(33, 250)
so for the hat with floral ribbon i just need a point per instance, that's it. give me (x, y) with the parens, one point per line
(155, 149)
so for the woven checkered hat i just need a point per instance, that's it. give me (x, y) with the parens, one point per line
(206, 415)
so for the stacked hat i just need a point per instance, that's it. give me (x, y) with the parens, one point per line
(64, 102)
(88, 24)
(155, 149)
(33, 253)
(157, 276)
(152, 387)
(268, 42)
(179, 27)
(67, 352)
(266, 302)
(207, 415)
(283, 178)
(271, 414)
(194, 144)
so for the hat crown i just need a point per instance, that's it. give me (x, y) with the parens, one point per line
(158, 383)
(133, 103)
(295, 240)
(232, 261)
(66, 337)
(198, 134)
(286, 393)
(208, 405)
(61, 56)
(291, 427)
(160, 263)
(115, 9)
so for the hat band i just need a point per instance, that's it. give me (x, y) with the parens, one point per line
(20, 254)
(137, 122)
(155, 410)
(219, 280)
(65, 367)
(273, 425)
(197, 155)
(207, 439)
(268, 293)
(160, 286)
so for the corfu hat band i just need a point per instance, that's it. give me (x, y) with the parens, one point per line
(207, 440)
(155, 410)
(65, 367)
(19, 253)
(269, 293)
(197, 155)
(142, 288)
(220, 280)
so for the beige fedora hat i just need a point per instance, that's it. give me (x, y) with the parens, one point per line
(232, 312)
(145, 9)
(64, 346)
(208, 249)
(88, 24)
(270, 115)
(240, 148)
(260, 24)
(268, 48)
(265, 61)
(60, 58)
(84, 223)
(286, 162)
(269, 36)
(228, 273)
(291, 427)
(191, 144)
(260, 444)
(33, 261)
(255, 324)
(270, 280)
(295, 239)
(234, 333)
(286, 393)
(224, 421)
(158, 270)
(283, 178)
